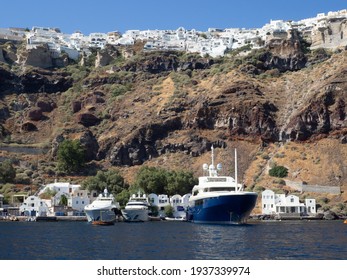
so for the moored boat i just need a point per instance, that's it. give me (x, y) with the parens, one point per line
(136, 210)
(220, 199)
(103, 210)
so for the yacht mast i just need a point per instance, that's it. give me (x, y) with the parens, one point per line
(236, 187)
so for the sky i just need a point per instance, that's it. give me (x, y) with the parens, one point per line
(104, 16)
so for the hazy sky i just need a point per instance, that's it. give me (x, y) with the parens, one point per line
(110, 15)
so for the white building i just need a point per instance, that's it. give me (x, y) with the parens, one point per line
(179, 204)
(160, 201)
(78, 200)
(76, 197)
(34, 206)
(280, 203)
(97, 40)
(63, 187)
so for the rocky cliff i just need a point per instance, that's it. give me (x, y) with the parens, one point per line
(331, 34)
(155, 107)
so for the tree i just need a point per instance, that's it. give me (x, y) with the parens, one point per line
(71, 156)
(151, 180)
(180, 182)
(278, 171)
(159, 181)
(63, 200)
(111, 179)
(7, 172)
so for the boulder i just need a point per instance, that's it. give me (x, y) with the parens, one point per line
(35, 114)
(55, 144)
(88, 119)
(329, 215)
(28, 127)
(89, 142)
(76, 106)
(4, 112)
(46, 106)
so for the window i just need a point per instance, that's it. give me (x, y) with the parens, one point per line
(82, 202)
(292, 200)
(264, 206)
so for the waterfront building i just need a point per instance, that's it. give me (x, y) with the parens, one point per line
(281, 204)
(179, 204)
(64, 187)
(34, 206)
(78, 200)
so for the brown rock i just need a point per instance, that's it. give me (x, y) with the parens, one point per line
(46, 106)
(76, 106)
(35, 114)
(88, 119)
(28, 126)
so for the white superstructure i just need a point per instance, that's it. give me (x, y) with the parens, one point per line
(103, 209)
(136, 210)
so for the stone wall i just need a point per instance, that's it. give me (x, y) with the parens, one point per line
(300, 186)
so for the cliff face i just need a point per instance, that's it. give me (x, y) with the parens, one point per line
(331, 34)
(148, 107)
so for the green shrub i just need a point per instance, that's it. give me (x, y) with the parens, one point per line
(168, 210)
(71, 156)
(7, 172)
(278, 171)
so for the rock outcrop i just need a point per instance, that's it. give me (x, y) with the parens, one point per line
(284, 55)
(38, 57)
(88, 119)
(331, 34)
(155, 63)
(35, 114)
(2, 59)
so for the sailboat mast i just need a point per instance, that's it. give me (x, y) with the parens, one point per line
(236, 188)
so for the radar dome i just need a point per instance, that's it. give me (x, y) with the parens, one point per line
(205, 166)
(219, 166)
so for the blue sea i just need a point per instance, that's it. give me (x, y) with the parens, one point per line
(272, 240)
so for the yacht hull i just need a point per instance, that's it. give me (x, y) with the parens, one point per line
(135, 215)
(223, 209)
(101, 215)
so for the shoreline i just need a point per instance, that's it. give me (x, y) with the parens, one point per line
(254, 218)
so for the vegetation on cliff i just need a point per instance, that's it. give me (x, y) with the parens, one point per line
(168, 108)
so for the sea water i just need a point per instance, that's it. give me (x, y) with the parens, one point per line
(275, 240)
